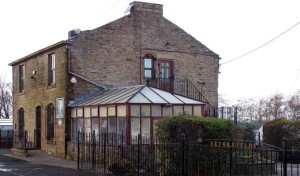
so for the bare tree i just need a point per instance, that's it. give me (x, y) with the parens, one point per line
(269, 108)
(261, 110)
(293, 106)
(5, 99)
(276, 103)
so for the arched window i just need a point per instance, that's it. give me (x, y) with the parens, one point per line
(21, 122)
(50, 122)
(149, 66)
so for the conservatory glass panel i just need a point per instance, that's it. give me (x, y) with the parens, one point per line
(95, 125)
(87, 112)
(111, 111)
(188, 110)
(74, 130)
(197, 110)
(145, 110)
(103, 125)
(79, 112)
(154, 128)
(103, 111)
(135, 126)
(80, 125)
(95, 112)
(156, 111)
(112, 125)
(87, 125)
(121, 125)
(73, 112)
(178, 110)
(167, 111)
(135, 110)
(121, 110)
(145, 128)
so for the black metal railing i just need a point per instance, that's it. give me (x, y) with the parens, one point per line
(6, 139)
(183, 87)
(24, 139)
(139, 156)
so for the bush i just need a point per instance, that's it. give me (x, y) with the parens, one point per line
(248, 132)
(170, 131)
(194, 128)
(275, 131)
(121, 167)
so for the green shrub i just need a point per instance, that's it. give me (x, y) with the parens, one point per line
(121, 167)
(275, 131)
(248, 132)
(194, 128)
(170, 131)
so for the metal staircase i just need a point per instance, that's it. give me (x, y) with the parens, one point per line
(183, 87)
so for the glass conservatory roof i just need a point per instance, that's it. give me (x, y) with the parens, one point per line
(133, 94)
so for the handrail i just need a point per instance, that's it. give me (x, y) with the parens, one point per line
(183, 87)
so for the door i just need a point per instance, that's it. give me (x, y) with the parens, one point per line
(166, 75)
(38, 127)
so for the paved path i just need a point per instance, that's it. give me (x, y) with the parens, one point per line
(39, 157)
(37, 164)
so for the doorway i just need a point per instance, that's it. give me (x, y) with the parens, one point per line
(166, 75)
(38, 127)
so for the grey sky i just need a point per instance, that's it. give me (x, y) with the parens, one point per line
(229, 28)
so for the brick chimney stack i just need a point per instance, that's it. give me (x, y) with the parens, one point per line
(146, 7)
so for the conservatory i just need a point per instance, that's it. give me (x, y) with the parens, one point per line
(130, 111)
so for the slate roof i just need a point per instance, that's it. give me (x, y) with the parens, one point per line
(133, 94)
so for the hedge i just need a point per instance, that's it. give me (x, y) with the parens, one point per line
(194, 128)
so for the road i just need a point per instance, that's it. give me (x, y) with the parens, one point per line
(16, 167)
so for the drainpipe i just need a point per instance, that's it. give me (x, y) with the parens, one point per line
(76, 75)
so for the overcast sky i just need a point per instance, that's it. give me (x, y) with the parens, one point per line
(230, 28)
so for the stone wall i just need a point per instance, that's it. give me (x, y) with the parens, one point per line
(37, 92)
(112, 55)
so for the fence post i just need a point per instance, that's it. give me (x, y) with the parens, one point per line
(138, 153)
(93, 150)
(0, 138)
(78, 149)
(122, 146)
(7, 138)
(104, 153)
(230, 159)
(25, 140)
(284, 158)
(35, 138)
(182, 154)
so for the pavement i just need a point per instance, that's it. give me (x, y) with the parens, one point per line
(43, 158)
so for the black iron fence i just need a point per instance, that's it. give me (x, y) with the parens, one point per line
(25, 139)
(6, 139)
(137, 155)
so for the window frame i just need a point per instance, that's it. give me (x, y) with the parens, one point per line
(50, 121)
(21, 77)
(51, 69)
(149, 68)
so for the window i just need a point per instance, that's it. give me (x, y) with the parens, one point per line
(21, 123)
(51, 69)
(21, 77)
(50, 122)
(148, 67)
(140, 121)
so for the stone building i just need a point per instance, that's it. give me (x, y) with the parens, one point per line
(141, 48)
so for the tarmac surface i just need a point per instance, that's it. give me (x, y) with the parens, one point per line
(38, 163)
